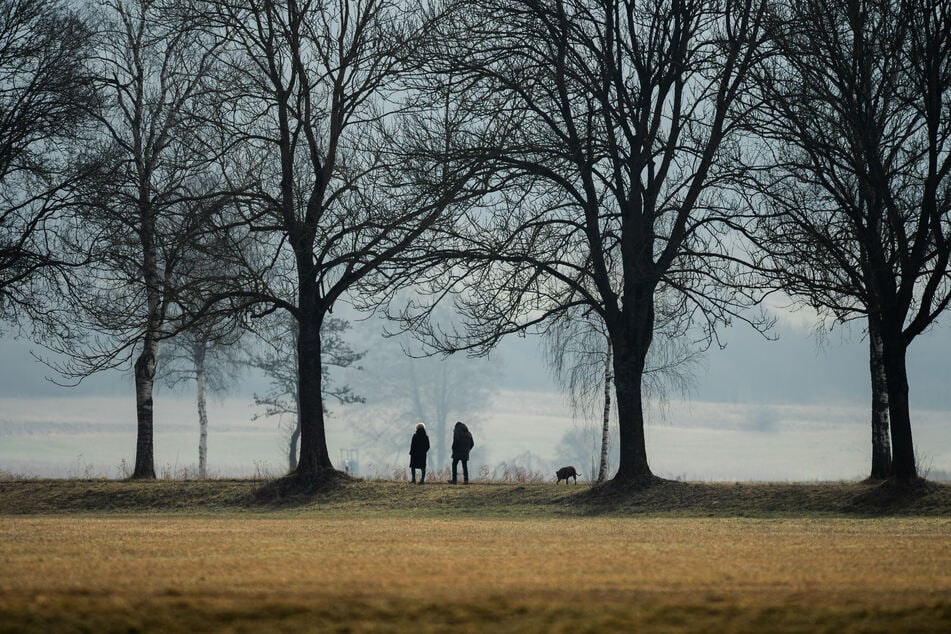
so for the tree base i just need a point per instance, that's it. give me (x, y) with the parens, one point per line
(891, 495)
(908, 485)
(623, 487)
(299, 487)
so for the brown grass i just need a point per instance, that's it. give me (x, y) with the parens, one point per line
(358, 556)
(481, 499)
(302, 571)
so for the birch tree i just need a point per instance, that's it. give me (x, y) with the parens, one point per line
(208, 353)
(854, 182)
(147, 204)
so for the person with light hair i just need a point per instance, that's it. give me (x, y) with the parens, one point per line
(417, 453)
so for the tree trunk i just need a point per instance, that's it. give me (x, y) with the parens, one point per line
(314, 455)
(629, 363)
(293, 446)
(903, 448)
(606, 418)
(147, 362)
(199, 351)
(144, 381)
(631, 332)
(881, 446)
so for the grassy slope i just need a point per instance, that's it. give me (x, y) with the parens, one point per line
(482, 499)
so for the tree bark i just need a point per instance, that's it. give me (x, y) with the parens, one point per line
(606, 418)
(631, 339)
(630, 326)
(633, 466)
(293, 446)
(199, 354)
(144, 382)
(881, 446)
(147, 362)
(904, 466)
(314, 455)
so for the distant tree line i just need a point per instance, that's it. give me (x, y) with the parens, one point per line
(631, 174)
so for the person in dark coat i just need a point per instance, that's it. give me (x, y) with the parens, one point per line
(462, 444)
(417, 453)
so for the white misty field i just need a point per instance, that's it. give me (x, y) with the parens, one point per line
(92, 436)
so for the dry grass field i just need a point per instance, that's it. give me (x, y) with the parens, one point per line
(382, 557)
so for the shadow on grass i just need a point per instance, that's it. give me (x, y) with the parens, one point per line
(891, 496)
(656, 496)
(297, 489)
(334, 490)
(621, 489)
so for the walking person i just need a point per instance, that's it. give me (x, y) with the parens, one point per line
(462, 444)
(417, 453)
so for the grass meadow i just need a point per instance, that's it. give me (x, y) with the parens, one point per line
(383, 557)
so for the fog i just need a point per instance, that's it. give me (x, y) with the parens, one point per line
(788, 410)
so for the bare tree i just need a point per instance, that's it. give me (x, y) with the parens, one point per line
(209, 353)
(209, 359)
(145, 208)
(854, 190)
(46, 97)
(305, 101)
(604, 129)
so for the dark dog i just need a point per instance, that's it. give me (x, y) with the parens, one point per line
(567, 472)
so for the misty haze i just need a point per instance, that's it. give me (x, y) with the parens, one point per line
(475, 316)
(748, 417)
(579, 233)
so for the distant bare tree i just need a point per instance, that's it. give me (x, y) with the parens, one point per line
(603, 130)
(854, 192)
(205, 347)
(209, 353)
(209, 359)
(276, 358)
(46, 98)
(435, 390)
(442, 390)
